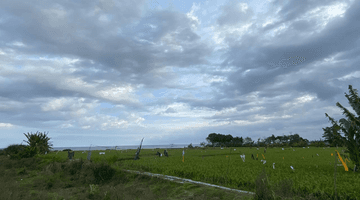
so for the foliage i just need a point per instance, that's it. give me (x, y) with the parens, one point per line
(332, 136)
(317, 143)
(14, 151)
(350, 127)
(103, 172)
(38, 142)
(262, 187)
(190, 146)
(220, 140)
(314, 168)
(19, 151)
(67, 150)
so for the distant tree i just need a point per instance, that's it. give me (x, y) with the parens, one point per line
(350, 127)
(248, 141)
(227, 140)
(190, 146)
(237, 142)
(202, 144)
(212, 138)
(219, 139)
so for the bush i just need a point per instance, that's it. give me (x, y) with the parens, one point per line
(18, 151)
(67, 150)
(263, 190)
(103, 172)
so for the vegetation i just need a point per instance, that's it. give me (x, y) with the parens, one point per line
(53, 176)
(38, 142)
(350, 128)
(313, 173)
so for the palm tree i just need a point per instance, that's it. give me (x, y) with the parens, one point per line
(38, 142)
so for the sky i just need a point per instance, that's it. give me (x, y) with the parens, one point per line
(111, 72)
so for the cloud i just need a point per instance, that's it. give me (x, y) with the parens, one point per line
(119, 70)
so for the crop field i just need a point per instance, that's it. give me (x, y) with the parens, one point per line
(312, 168)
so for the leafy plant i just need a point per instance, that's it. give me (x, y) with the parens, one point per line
(38, 142)
(18, 151)
(350, 127)
(103, 172)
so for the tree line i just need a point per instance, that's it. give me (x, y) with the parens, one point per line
(217, 140)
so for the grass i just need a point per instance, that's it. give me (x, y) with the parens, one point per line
(48, 177)
(53, 176)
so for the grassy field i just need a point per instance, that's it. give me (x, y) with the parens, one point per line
(313, 168)
(54, 177)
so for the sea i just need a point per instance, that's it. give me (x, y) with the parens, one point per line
(100, 148)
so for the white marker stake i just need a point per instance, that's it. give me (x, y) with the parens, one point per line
(282, 148)
(292, 168)
(293, 149)
(317, 154)
(242, 157)
(273, 165)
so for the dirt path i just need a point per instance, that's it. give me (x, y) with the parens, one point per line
(182, 180)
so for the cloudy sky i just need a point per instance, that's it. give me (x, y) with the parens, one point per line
(112, 72)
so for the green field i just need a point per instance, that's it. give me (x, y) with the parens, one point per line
(313, 167)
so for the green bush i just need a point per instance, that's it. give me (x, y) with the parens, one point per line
(18, 151)
(103, 172)
(67, 150)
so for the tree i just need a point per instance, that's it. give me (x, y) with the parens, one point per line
(227, 139)
(202, 144)
(350, 127)
(212, 138)
(190, 146)
(237, 141)
(248, 140)
(330, 135)
(38, 142)
(219, 139)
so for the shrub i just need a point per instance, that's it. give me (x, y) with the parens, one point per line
(67, 150)
(103, 172)
(18, 151)
(263, 190)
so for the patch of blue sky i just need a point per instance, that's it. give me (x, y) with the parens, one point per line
(106, 105)
(38, 57)
(108, 109)
(160, 92)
